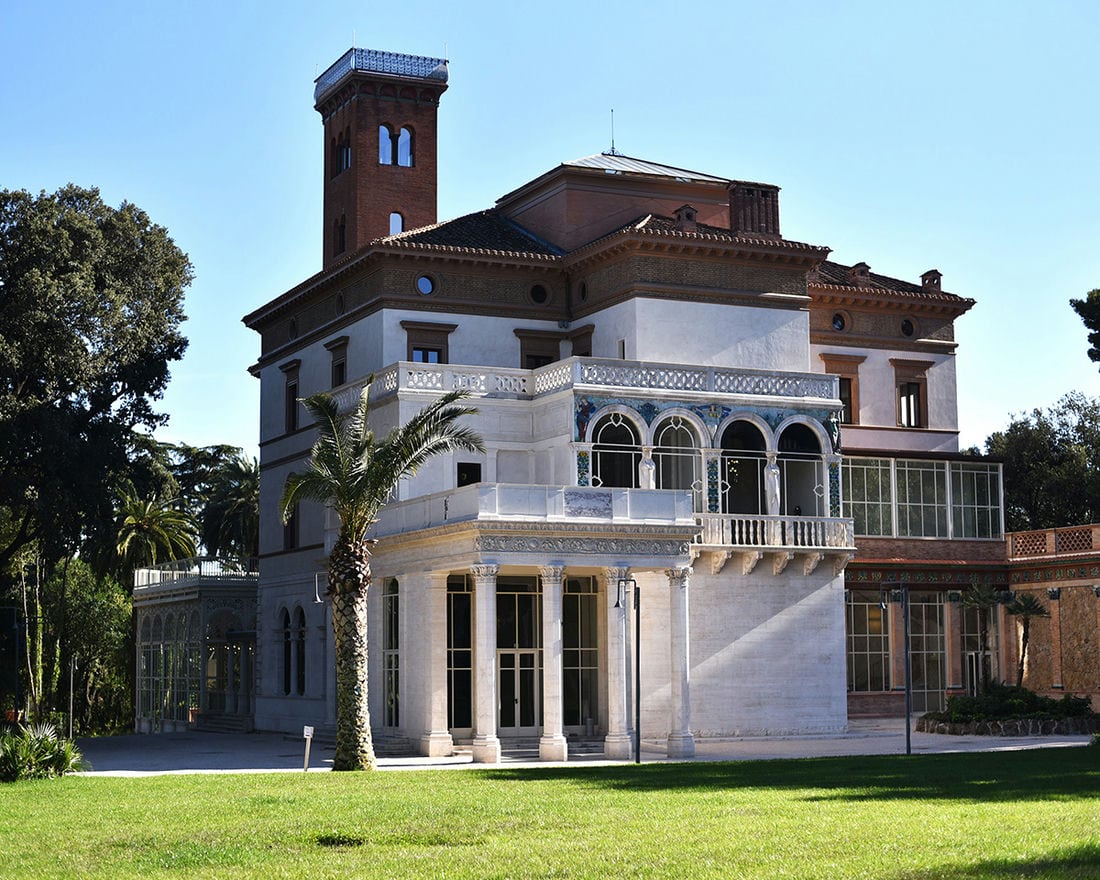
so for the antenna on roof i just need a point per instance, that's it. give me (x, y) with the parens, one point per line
(353, 38)
(613, 151)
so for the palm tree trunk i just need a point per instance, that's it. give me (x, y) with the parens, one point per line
(348, 583)
(1023, 655)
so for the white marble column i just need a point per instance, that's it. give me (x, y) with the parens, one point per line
(681, 743)
(552, 745)
(617, 744)
(436, 741)
(486, 748)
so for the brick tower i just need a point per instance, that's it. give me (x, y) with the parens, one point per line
(379, 113)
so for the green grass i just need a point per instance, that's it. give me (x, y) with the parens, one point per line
(995, 815)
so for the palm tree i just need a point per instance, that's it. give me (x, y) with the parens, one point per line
(231, 515)
(150, 530)
(1025, 606)
(355, 474)
(983, 599)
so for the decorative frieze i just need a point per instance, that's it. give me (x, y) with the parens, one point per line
(580, 546)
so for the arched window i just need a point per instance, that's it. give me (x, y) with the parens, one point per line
(742, 472)
(405, 147)
(387, 146)
(345, 151)
(391, 658)
(340, 235)
(676, 455)
(616, 452)
(397, 223)
(287, 664)
(300, 659)
(802, 469)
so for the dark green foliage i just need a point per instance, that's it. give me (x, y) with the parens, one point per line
(1051, 465)
(37, 751)
(1000, 702)
(92, 299)
(1088, 310)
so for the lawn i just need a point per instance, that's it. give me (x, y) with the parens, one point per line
(993, 815)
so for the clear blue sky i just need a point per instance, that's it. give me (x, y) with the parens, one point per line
(962, 137)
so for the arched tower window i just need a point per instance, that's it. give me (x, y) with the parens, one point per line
(300, 659)
(405, 147)
(616, 452)
(742, 469)
(340, 235)
(387, 146)
(397, 223)
(345, 151)
(391, 657)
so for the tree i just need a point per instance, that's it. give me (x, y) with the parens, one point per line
(151, 530)
(1088, 310)
(355, 474)
(231, 516)
(1025, 606)
(92, 299)
(1051, 465)
(983, 599)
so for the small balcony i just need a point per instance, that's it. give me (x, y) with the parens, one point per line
(750, 538)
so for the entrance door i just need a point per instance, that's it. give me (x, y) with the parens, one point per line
(518, 687)
(519, 658)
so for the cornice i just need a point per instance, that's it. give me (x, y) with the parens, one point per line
(877, 298)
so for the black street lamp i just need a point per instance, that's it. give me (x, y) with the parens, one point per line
(900, 595)
(623, 584)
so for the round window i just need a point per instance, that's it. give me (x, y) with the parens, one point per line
(539, 296)
(839, 322)
(583, 292)
(908, 328)
(293, 328)
(425, 285)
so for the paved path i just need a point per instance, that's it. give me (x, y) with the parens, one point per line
(148, 755)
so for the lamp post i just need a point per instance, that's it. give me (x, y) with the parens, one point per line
(623, 584)
(900, 595)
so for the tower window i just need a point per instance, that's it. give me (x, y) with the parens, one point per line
(397, 223)
(340, 235)
(405, 147)
(386, 146)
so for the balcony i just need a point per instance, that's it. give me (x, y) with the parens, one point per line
(750, 538)
(1047, 543)
(191, 572)
(598, 375)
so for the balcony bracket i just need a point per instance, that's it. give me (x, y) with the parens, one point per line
(780, 558)
(811, 561)
(718, 560)
(840, 562)
(749, 558)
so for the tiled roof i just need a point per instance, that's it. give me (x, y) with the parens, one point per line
(484, 231)
(617, 163)
(657, 224)
(836, 275)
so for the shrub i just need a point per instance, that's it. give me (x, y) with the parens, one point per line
(37, 751)
(1001, 701)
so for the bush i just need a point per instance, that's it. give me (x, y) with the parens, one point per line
(37, 752)
(1001, 701)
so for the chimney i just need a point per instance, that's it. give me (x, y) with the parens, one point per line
(685, 219)
(859, 274)
(754, 209)
(931, 280)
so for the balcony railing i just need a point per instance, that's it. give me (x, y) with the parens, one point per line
(1053, 542)
(772, 532)
(592, 374)
(197, 569)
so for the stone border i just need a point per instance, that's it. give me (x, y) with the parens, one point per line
(1012, 727)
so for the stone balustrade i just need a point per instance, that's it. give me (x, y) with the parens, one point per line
(750, 530)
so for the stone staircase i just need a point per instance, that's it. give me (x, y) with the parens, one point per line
(209, 722)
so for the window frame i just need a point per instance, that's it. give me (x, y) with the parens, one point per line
(427, 336)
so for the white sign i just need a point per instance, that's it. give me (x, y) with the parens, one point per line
(307, 732)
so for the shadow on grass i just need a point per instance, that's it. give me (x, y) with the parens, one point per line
(1080, 862)
(1041, 774)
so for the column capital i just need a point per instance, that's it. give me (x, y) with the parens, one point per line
(484, 572)
(679, 576)
(614, 575)
(552, 572)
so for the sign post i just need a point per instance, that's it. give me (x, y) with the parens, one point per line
(307, 732)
